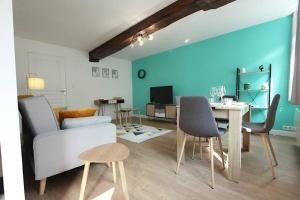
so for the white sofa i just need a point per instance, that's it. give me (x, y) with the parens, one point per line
(54, 150)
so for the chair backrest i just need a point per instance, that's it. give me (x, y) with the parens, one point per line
(272, 113)
(233, 97)
(37, 115)
(196, 117)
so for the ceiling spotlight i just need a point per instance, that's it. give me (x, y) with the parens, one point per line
(186, 40)
(150, 37)
(141, 43)
(139, 38)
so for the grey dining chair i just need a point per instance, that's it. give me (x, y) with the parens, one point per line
(197, 119)
(263, 130)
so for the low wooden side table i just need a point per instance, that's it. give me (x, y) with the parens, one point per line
(107, 153)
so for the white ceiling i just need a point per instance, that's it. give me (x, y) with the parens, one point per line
(85, 24)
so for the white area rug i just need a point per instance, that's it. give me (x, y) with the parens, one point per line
(139, 133)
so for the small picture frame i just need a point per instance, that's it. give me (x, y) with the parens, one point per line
(105, 72)
(114, 74)
(95, 71)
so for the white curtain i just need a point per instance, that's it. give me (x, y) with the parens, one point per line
(294, 82)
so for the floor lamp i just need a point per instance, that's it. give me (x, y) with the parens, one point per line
(35, 83)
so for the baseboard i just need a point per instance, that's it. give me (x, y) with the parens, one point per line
(284, 133)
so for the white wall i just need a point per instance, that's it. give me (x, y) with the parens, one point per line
(9, 126)
(82, 88)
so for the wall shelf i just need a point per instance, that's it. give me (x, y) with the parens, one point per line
(254, 93)
(244, 73)
(259, 108)
(253, 90)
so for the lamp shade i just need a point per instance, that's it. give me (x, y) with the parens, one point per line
(35, 83)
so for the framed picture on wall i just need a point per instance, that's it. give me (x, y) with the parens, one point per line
(114, 74)
(105, 72)
(95, 72)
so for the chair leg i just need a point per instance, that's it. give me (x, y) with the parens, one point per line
(211, 149)
(43, 186)
(272, 149)
(140, 118)
(181, 153)
(200, 148)
(265, 144)
(194, 145)
(221, 149)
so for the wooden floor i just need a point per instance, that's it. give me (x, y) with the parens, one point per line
(150, 174)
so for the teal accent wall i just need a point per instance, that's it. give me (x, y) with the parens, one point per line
(195, 68)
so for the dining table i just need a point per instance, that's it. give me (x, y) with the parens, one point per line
(235, 113)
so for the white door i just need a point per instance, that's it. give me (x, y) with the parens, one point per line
(52, 70)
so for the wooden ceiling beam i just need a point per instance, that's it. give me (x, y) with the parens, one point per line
(153, 23)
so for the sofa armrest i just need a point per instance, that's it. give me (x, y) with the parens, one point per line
(58, 151)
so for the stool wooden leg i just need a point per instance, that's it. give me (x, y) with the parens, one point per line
(114, 171)
(140, 118)
(120, 118)
(84, 179)
(123, 179)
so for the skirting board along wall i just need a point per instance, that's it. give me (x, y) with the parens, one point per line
(195, 68)
(81, 87)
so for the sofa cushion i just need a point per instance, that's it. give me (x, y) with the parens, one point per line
(84, 112)
(37, 115)
(69, 123)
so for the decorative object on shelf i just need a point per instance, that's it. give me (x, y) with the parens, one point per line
(114, 74)
(105, 72)
(142, 74)
(265, 86)
(95, 71)
(247, 86)
(261, 68)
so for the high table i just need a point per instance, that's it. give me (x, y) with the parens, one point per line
(235, 114)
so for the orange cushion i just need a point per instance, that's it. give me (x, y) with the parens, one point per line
(85, 112)
(56, 111)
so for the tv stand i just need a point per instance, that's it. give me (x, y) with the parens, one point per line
(161, 111)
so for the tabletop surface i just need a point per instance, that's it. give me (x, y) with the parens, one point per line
(232, 106)
(106, 153)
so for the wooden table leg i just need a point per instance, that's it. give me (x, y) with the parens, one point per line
(123, 179)
(84, 179)
(114, 171)
(234, 146)
(246, 136)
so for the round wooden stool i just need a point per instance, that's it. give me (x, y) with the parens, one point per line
(107, 153)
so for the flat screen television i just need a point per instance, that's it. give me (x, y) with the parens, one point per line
(161, 95)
